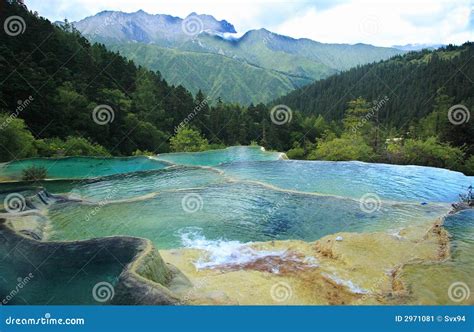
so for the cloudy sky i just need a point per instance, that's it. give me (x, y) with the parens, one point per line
(383, 23)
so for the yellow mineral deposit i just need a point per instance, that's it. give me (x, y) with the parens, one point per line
(354, 269)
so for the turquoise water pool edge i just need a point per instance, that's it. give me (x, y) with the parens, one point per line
(228, 200)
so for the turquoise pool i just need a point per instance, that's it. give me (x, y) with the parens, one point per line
(231, 196)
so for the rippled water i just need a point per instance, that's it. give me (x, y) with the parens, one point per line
(136, 185)
(247, 195)
(252, 195)
(354, 179)
(217, 157)
(234, 211)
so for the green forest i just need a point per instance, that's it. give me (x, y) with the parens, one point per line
(61, 95)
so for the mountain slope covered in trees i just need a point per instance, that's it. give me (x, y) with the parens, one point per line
(159, 42)
(410, 81)
(216, 74)
(67, 78)
(53, 82)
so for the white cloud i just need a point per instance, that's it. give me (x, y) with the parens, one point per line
(384, 23)
(344, 21)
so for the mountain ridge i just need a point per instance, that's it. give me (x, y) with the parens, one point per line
(420, 73)
(146, 38)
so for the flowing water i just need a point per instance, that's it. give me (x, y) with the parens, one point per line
(220, 200)
(217, 157)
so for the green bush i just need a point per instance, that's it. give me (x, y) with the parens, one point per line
(50, 147)
(343, 149)
(188, 140)
(16, 141)
(78, 146)
(469, 166)
(296, 153)
(216, 146)
(34, 173)
(139, 152)
(72, 146)
(430, 152)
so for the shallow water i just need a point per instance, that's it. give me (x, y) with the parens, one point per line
(55, 275)
(248, 195)
(218, 157)
(80, 167)
(354, 179)
(134, 185)
(232, 211)
(430, 283)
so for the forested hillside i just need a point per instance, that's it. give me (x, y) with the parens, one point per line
(216, 74)
(68, 78)
(197, 50)
(410, 81)
(61, 95)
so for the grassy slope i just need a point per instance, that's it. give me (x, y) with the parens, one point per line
(215, 74)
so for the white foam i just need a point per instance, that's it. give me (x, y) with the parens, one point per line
(396, 234)
(221, 252)
(346, 283)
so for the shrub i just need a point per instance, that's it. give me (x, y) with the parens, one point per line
(78, 146)
(34, 173)
(431, 152)
(469, 166)
(188, 140)
(215, 146)
(296, 153)
(139, 152)
(343, 149)
(16, 141)
(72, 146)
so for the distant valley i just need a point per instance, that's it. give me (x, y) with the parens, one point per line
(200, 52)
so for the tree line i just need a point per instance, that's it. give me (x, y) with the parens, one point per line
(61, 95)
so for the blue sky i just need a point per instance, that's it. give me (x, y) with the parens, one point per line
(383, 22)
